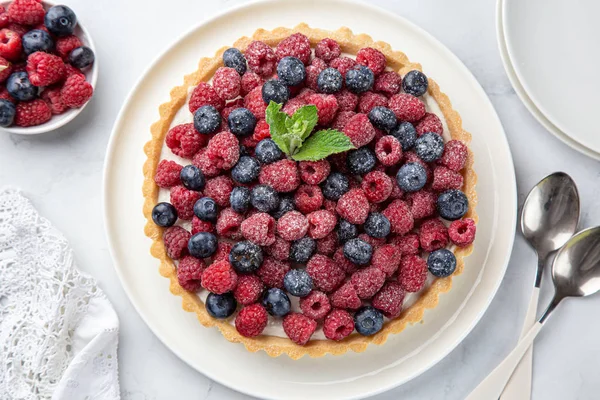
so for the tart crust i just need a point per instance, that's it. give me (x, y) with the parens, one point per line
(272, 345)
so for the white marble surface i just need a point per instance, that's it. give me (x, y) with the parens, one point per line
(62, 171)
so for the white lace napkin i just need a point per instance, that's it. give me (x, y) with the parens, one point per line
(58, 331)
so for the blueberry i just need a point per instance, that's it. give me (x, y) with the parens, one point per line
(207, 120)
(330, 80)
(335, 186)
(301, 250)
(452, 204)
(429, 147)
(246, 170)
(246, 256)
(406, 134)
(220, 305)
(19, 87)
(264, 198)
(383, 118)
(377, 225)
(81, 57)
(164, 214)
(291, 71)
(359, 79)
(7, 113)
(202, 245)
(241, 122)
(298, 283)
(286, 203)
(192, 177)
(415, 83)
(233, 58)
(275, 90)
(346, 231)
(267, 151)
(240, 199)
(276, 302)
(361, 161)
(411, 177)
(37, 40)
(441, 263)
(206, 209)
(368, 321)
(60, 20)
(358, 251)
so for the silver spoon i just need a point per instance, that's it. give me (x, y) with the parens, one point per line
(575, 273)
(549, 218)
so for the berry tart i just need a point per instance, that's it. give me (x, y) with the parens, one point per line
(309, 192)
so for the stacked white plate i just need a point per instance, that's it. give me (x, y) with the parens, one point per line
(550, 53)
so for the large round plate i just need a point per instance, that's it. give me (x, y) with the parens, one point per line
(380, 368)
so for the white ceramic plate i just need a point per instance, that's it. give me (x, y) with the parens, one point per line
(552, 49)
(380, 368)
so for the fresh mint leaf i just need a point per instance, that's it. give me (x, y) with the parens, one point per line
(277, 126)
(303, 121)
(322, 144)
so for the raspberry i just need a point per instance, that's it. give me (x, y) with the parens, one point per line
(227, 83)
(389, 300)
(261, 130)
(407, 107)
(314, 172)
(251, 320)
(64, 45)
(32, 113)
(322, 223)
(5, 73)
(341, 119)
(26, 12)
(292, 106)
(206, 165)
(368, 100)
(342, 64)
(167, 174)
(10, 45)
(54, 99)
(345, 297)
(281, 175)
(433, 235)
(248, 143)
(429, 123)
(377, 186)
(368, 281)
(327, 245)
(272, 272)
(249, 82)
(18, 28)
(261, 58)
(204, 94)
(248, 290)
(4, 95)
(312, 75)
(407, 244)
(327, 107)
(4, 18)
(386, 258)
(353, 206)
(223, 250)
(328, 49)
(445, 179)
(325, 273)
(388, 82)
(338, 324)
(255, 103)
(412, 273)
(176, 240)
(223, 150)
(76, 91)
(71, 70)
(219, 189)
(462, 232)
(299, 328)
(183, 200)
(360, 130)
(228, 224)
(219, 277)
(400, 217)
(346, 265)
(422, 203)
(292, 226)
(189, 273)
(201, 226)
(308, 198)
(347, 101)
(374, 242)
(259, 228)
(296, 45)
(372, 58)
(45, 69)
(316, 305)
(280, 250)
(388, 150)
(184, 141)
(455, 155)
(330, 206)
(319, 63)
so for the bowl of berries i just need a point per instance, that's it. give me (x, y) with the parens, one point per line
(48, 68)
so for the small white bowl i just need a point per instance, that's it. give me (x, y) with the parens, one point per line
(91, 75)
